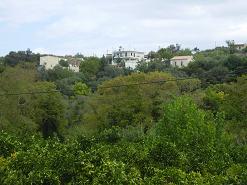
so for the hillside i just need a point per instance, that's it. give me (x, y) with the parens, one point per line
(156, 124)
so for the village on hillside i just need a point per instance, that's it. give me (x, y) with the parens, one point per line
(132, 58)
(128, 92)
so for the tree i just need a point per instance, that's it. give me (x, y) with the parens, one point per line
(216, 75)
(90, 67)
(79, 55)
(189, 129)
(137, 105)
(110, 71)
(14, 58)
(189, 85)
(196, 49)
(231, 46)
(81, 89)
(165, 53)
(151, 55)
(47, 109)
(245, 50)
(154, 65)
(57, 73)
(13, 117)
(184, 52)
(233, 61)
(235, 102)
(63, 63)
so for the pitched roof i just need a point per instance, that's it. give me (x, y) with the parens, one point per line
(182, 58)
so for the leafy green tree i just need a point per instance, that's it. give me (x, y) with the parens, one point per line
(231, 46)
(90, 66)
(184, 52)
(165, 54)
(14, 58)
(136, 105)
(13, 116)
(155, 65)
(57, 73)
(187, 127)
(63, 78)
(165, 154)
(79, 55)
(213, 99)
(216, 75)
(230, 98)
(245, 50)
(233, 61)
(47, 109)
(63, 63)
(152, 55)
(81, 89)
(110, 72)
(235, 100)
(189, 85)
(216, 66)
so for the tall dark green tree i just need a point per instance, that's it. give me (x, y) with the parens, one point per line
(48, 109)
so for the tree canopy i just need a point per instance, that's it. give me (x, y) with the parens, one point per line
(111, 125)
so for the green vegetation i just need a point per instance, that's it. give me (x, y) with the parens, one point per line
(109, 125)
(63, 63)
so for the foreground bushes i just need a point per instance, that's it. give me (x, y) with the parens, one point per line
(187, 146)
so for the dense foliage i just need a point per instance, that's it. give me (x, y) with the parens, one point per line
(109, 125)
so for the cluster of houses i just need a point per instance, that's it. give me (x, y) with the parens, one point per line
(132, 58)
(127, 58)
(121, 57)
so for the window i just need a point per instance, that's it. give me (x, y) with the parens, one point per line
(131, 54)
(182, 63)
(126, 54)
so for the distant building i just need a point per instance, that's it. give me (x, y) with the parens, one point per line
(74, 64)
(240, 46)
(50, 61)
(181, 61)
(129, 58)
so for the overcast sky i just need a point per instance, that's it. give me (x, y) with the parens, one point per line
(93, 26)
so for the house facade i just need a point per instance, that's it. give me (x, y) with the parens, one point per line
(240, 46)
(181, 61)
(129, 58)
(50, 61)
(74, 64)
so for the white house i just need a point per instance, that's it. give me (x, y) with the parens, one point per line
(181, 61)
(130, 58)
(50, 61)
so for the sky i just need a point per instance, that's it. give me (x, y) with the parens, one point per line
(94, 27)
